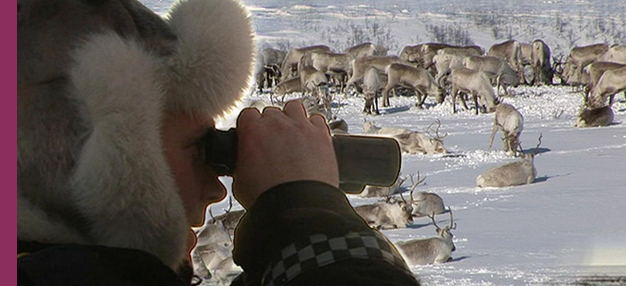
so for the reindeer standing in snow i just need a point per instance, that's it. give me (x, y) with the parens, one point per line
(511, 122)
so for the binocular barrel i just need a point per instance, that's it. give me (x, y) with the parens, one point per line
(362, 160)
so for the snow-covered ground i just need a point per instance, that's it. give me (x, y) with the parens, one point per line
(567, 225)
(570, 223)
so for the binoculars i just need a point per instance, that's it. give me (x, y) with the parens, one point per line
(362, 160)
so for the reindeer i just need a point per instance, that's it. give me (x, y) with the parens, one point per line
(520, 172)
(475, 83)
(366, 49)
(610, 83)
(412, 142)
(510, 51)
(372, 84)
(418, 143)
(338, 127)
(615, 54)
(436, 249)
(427, 52)
(267, 67)
(540, 56)
(580, 57)
(213, 251)
(444, 63)
(388, 214)
(362, 64)
(495, 68)
(595, 117)
(335, 65)
(288, 86)
(370, 128)
(290, 63)
(412, 55)
(417, 79)
(376, 191)
(594, 72)
(229, 219)
(424, 203)
(511, 123)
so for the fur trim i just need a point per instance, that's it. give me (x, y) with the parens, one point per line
(122, 183)
(215, 59)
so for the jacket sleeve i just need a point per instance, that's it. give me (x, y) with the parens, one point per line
(306, 233)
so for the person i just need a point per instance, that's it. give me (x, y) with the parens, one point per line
(113, 105)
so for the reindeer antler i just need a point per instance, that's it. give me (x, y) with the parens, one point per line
(437, 136)
(432, 218)
(538, 144)
(213, 220)
(452, 223)
(414, 184)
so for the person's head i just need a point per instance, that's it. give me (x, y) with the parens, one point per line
(112, 100)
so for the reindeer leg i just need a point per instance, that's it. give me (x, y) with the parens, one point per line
(454, 95)
(388, 87)
(421, 98)
(462, 96)
(611, 97)
(475, 98)
(493, 134)
(376, 102)
(498, 78)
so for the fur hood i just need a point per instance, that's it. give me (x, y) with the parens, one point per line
(93, 79)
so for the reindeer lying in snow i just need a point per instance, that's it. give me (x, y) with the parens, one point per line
(436, 249)
(511, 122)
(388, 214)
(412, 142)
(229, 219)
(595, 117)
(212, 255)
(520, 172)
(424, 203)
(377, 191)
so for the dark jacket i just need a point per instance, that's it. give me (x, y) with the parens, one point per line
(299, 233)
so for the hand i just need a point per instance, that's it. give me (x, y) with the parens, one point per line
(280, 146)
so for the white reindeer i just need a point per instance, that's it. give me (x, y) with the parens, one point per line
(610, 83)
(475, 83)
(496, 68)
(520, 172)
(418, 79)
(388, 214)
(372, 84)
(377, 191)
(436, 249)
(411, 142)
(511, 123)
(213, 252)
(424, 203)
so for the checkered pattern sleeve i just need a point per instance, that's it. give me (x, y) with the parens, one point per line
(319, 250)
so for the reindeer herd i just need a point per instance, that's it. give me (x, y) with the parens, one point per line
(438, 70)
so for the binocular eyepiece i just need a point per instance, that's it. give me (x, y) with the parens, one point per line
(362, 160)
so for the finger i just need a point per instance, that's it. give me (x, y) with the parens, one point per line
(319, 121)
(295, 110)
(248, 115)
(271, 111)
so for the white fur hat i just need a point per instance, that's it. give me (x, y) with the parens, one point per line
(90, 163)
